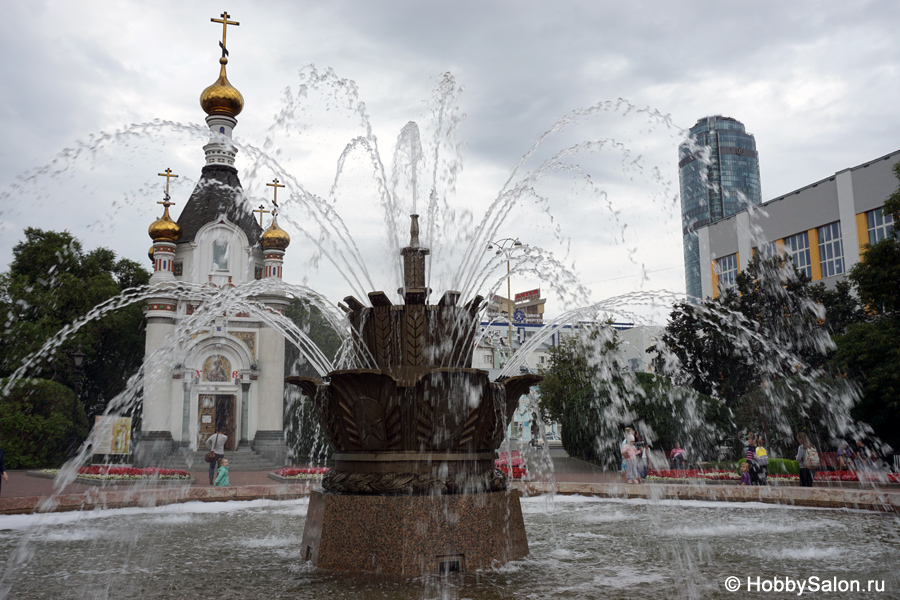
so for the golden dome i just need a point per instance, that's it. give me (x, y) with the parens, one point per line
(165, 228)
(274, 238)
(221, 98)
(150, 253)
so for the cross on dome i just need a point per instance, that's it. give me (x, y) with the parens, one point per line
(168, 174)
(275, 185)
(261, 210)
(225, 23)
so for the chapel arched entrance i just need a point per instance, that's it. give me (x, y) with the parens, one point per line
(217, 411)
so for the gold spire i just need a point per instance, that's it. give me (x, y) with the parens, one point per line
(221, 98)
(165, 228)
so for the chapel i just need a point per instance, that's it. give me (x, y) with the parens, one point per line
(204, 371)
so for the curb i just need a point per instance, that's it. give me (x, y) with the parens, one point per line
(295, 480)
(872, 500)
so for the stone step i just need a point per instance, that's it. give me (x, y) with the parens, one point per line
(239, 460)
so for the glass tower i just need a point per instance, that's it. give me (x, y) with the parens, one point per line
(718, 169)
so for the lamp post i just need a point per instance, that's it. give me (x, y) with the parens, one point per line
(505, 247)
(78, 377)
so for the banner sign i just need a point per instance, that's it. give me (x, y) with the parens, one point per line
(529, 295)
(112, 435)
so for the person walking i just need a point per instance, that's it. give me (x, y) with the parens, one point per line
(216, 444)
(3, 474)
(806, 456)
(751, 458)
(629, 454)
(643, 450)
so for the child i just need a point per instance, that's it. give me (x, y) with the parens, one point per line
(745, 473)
(222, 477)
(629, 454)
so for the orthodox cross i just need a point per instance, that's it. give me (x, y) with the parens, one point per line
(167, 175)
(261, 211)
(275, 185)
(225, 23)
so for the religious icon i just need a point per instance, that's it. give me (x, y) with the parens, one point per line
(216, 368)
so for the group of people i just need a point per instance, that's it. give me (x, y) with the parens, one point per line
(216, 444)
(634, 456)
(755, 471)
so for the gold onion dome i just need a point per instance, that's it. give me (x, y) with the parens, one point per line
(150, 253)
(165, 228)
(222, 98)
(274, 238)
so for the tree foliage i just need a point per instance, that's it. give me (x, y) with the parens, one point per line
(773, 323)
(584, 390)
(52, 282)
(869, 350)
(36, 423)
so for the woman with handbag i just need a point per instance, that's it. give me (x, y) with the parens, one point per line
(216, 445)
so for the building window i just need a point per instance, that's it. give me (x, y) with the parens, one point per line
(727, 271)
(220, 256)
(880, 225)
(797, 247)
(831, 249)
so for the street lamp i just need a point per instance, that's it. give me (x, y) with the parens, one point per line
(78, 377)
(505, 247)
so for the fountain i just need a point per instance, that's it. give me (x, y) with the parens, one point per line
(414, 489)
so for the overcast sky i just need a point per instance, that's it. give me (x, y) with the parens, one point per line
(817, 84)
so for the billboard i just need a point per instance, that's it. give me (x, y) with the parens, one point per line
(529, 295)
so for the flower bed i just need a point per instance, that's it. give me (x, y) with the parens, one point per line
(722, 475)
(100, 473)
(512, 460)
(302, 472)
(107, 473)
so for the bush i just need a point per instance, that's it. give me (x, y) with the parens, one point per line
(36, 423)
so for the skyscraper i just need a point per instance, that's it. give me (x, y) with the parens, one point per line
(718, 169)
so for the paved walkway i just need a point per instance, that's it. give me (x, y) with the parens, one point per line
(23, 493)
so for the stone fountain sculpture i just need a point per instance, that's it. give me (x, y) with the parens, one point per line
(413, 489)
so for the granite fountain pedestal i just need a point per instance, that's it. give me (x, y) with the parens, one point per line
(414, 489)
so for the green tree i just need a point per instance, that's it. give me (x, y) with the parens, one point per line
(36, 423)
(593, 401)
(772, 324)
(52, 282)
(869, 351)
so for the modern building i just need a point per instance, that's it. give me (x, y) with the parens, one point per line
(718, 169)
(228, 372)
(526, 307)
(823, 226)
